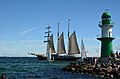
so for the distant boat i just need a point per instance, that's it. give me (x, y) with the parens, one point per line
(73, 53)
(72, 49)
(61, 54)
(83, 53)
(83, 50)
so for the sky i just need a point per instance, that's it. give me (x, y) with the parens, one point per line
(23, 24)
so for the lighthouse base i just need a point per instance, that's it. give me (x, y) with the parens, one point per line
(106, 46)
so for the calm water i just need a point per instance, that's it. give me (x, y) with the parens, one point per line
(31, 68)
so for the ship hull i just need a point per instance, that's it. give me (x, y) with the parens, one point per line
(41, 57)
(59, 58)
(66, 58)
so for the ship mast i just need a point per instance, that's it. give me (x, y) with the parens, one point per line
(58, 38)
(68, 35)
(48, 52)
(58, 31)
(68, 28)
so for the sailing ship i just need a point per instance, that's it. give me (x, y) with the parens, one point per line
(83, 50)
(72, 49)
(83, 53)
(61, 54)
(73, 52)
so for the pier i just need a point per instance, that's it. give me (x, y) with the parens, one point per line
(111, 70)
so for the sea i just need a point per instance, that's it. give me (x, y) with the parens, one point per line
(32, 68)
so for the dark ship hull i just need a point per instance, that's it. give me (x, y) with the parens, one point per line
(66, 58)
(41, 57)
(58, 58)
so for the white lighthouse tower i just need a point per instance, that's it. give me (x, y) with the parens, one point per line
(106, 38)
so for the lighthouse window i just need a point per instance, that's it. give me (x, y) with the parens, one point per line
(106, 19)
(110, 33)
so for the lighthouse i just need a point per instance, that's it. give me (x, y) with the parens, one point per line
(106, 38)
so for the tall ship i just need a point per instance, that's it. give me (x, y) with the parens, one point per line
(73, 49)
(73, 52)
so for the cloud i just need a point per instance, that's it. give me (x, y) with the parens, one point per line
(28, 30)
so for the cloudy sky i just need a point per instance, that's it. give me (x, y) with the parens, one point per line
(23, 23)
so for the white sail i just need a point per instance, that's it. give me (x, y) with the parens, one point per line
(52, 44)
(48, 50)
(61, 45)
(50, 47)
(73, 45)
(83, 51)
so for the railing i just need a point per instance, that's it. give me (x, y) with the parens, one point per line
(100, 24)
(100, 36)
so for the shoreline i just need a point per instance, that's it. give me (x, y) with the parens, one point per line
(111, 70)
